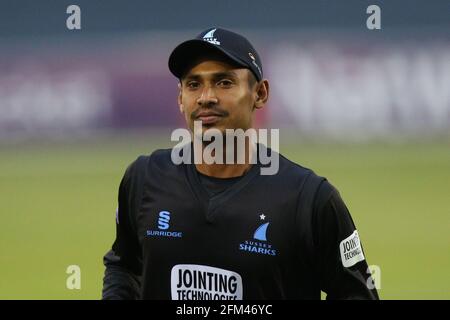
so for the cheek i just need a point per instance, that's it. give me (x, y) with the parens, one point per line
(241, 112)
(245, 105)
(187, 106)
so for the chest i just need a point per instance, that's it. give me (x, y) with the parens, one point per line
(244, 229)
(240, 241)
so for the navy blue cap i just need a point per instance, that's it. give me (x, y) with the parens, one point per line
(232, 45)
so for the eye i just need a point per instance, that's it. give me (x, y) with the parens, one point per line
(193, 84)
(225, 83)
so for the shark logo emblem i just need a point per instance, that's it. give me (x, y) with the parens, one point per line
(209, 36)
(259, 243)
(260, 233)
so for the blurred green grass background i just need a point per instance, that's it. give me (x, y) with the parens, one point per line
(58, 205)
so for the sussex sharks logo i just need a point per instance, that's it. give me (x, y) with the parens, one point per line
(260, 233)
(210, 37)
(259, 243)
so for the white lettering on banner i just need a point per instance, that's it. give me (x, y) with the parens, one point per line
(33, 100)
(327, 88)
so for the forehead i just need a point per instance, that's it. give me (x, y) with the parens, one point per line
(209, 65)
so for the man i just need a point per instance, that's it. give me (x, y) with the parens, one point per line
(226, 231)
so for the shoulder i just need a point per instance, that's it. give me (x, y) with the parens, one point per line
(159, 159)
(289, 170)
(316, 187)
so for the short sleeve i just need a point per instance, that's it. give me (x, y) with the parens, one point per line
(342, 267)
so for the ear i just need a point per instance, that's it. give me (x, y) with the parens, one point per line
(180, 103)
(262, 93)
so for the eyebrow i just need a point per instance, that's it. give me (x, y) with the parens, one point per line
(215, 76)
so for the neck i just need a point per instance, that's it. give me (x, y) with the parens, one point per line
(225, 170)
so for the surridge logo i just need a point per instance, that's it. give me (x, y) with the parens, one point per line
(210, 37)
(260, 246)
(164, 224)
(163, 221)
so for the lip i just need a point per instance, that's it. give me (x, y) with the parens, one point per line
(209, 117)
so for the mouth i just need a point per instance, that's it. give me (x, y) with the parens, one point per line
(209, 118)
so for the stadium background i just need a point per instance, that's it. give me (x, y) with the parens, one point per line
(369, 109)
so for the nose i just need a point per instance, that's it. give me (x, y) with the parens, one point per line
(207, 98)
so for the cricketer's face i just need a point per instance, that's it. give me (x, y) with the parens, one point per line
(220, 95)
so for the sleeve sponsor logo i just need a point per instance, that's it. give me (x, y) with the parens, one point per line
(351, 251)
(199, 282)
